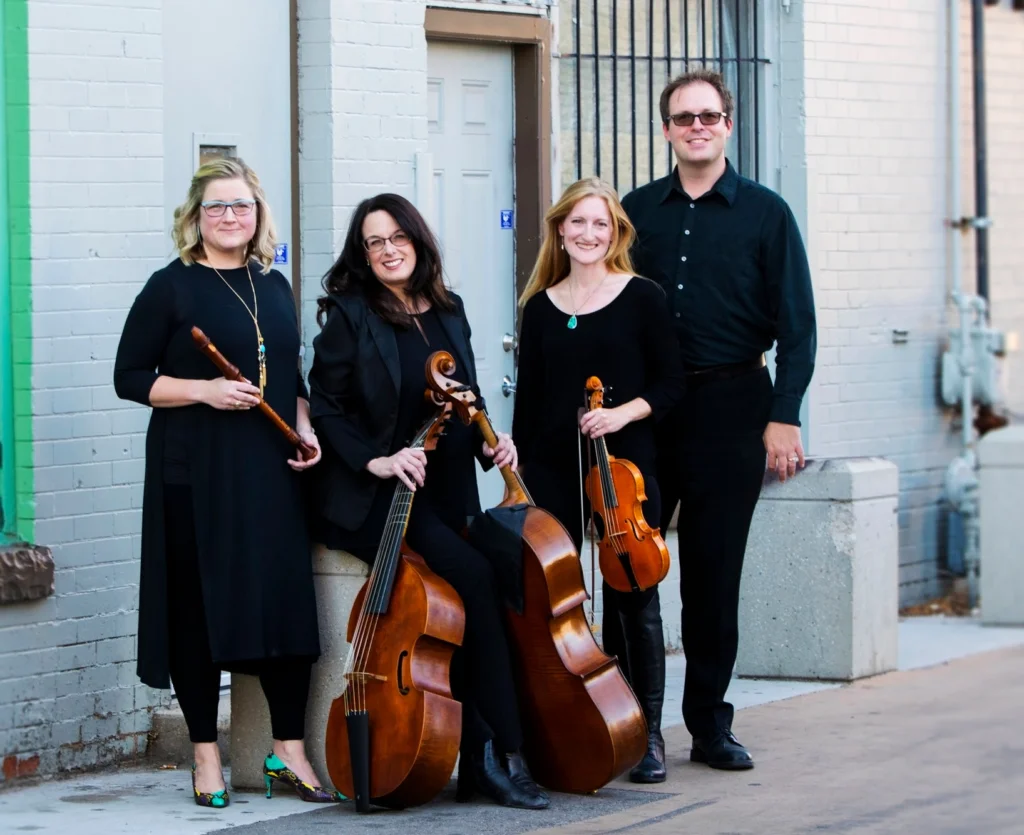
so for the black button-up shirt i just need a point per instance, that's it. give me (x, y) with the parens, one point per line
(735, 273)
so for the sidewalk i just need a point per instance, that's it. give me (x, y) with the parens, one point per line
(931, 749)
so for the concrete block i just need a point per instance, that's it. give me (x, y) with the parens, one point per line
(1001, 476)
(337, 577)
(819, 596)
(169, 743)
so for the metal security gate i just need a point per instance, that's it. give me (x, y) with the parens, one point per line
(617, 55)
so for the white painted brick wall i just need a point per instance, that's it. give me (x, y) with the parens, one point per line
(1004, 95)
(362, 99)
(68, 690)
(876, 161)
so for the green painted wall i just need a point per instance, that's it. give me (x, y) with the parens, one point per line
(16, 481)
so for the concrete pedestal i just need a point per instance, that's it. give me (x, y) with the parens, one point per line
(819, 596)
(1001, 500)
(337, 577)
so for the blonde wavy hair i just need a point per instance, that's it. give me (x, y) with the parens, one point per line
(553, 262)
(186, 217)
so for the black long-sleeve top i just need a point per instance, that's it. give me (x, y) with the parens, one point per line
(628, 344)
(735, 272)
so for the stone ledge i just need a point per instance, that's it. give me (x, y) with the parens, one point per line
(835, 479)
(26, 572)
(1002, 448)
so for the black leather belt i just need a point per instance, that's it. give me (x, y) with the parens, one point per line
(724, 372)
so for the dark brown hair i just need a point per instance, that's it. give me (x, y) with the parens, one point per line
(692, 77)
(352, 274)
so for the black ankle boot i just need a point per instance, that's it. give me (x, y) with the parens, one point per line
(651, 769)
(505, 780)
(645, 642)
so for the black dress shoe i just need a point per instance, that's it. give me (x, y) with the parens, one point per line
(519, 773)
(651, 769)
(488, 774)
(722, 751)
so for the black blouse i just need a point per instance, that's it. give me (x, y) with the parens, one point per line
(629, 344)
(446, 465)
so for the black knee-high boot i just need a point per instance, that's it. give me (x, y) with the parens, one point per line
(645, 642)
(613, 637)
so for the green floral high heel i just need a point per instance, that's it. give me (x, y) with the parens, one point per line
(211, 800)
(275, 769)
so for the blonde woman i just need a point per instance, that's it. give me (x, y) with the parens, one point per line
(226, 578)
(586, 313)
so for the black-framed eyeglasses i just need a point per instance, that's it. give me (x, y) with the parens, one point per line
(376, 244)
(240, 208)
(708, 117)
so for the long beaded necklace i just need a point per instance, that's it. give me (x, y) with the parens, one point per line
(261, 355)
(571, 324)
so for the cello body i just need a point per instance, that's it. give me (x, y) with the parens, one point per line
(582, 723)
(414, 724)
(393, 734)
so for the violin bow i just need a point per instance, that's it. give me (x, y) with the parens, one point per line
(231, 372)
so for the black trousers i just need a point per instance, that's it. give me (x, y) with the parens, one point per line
(711, 463)
(195, 675)
(481, 673)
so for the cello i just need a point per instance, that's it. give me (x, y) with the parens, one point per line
(582, 724)
(393, 734)
(633, 555)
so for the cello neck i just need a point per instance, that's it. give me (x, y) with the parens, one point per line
(517, 492)
(382, 577)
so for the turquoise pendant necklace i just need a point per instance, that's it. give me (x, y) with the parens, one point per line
(573, 321)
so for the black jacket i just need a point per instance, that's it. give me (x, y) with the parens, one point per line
(354, 385)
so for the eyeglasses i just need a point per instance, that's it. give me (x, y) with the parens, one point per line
(216, 208)
(375, 244)
(708, 117)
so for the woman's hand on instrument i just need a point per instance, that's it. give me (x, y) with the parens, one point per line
(409, 465)
(504, 453)
(599, 422)
(308, 437)
(229, 395)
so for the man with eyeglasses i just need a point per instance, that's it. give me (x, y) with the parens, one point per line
(728, 253)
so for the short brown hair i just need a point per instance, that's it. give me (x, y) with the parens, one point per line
(692, 77)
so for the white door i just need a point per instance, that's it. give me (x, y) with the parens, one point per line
(471, 147)
(227, 91)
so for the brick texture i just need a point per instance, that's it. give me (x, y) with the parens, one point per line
(68, 694)
(362, 100)
(1004, 93)
(877, 146)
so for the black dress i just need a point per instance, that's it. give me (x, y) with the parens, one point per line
(251, 532)
(629, 345)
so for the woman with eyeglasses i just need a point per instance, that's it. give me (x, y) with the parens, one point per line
(385, 310)
(227, 579)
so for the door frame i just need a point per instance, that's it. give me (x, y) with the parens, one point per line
(530, 39)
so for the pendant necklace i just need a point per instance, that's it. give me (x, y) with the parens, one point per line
(571, 324)
(261, 355)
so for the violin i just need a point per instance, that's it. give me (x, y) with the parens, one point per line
(633, 555)
(582, 724)
(393, 734)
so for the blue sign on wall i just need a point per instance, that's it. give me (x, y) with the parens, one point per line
(506, 218)
(281, 254)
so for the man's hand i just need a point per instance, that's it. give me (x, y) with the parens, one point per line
(785, 452)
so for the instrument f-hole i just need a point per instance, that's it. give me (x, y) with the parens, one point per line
(402, 688)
